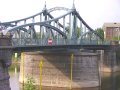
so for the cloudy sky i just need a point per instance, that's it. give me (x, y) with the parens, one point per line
(94, 12)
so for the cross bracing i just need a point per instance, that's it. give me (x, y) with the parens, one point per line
(45, 28)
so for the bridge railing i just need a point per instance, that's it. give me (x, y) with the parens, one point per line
(46, 42)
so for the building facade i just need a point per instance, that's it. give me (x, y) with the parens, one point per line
(111, 31)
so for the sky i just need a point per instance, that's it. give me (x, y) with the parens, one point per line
(94, 12)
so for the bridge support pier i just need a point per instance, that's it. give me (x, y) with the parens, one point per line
(5, 62)
(56, 70)
(109, 63)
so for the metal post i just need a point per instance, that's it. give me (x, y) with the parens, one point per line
(56, 32)
(22, 59)
(80, 28)
(54, 26)
(70, 29)
(63, 24)
(74, 26)
(19, 32)
(99, 64)
(40, 42)
(31, 29)
(24, 21)
(71, 71)
(33, 20)
(16, 23)
(84, 29)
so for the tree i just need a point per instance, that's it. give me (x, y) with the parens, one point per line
(100, 32)
(77, 31)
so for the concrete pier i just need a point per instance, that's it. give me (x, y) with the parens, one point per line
(5, 62)
(109, 61)
(57, 71)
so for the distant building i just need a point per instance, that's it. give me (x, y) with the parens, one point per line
(111, 31)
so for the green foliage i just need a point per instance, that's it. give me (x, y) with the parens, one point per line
(29, 85)
(38, 35)
(12, 67)
(116, 38)
(78, 32)
(100, 32)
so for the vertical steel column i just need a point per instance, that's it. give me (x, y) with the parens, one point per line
(31, 31)
(15, 34)
(25, 33)
(54, 26)
(119, 32)
(84, 29)
(33, 20)
(81, 28)
(70, 26)
(40, 26)
(85, 34)
(90, 37)
(74, 26)
(64, 28)
(20, 37)
(40, 17)
(63, 24)
(24, 21)
(45, 15)
(56, 32)
(15, 23)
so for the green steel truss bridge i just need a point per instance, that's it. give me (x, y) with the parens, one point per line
(58, 26)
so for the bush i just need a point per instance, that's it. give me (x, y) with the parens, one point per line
(29, 85)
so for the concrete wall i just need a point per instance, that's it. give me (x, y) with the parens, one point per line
(56, 69)
(5, 61)
(109, 61)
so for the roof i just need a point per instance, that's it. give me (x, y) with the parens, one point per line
(111, 25)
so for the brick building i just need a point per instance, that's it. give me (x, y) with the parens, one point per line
(111, 31)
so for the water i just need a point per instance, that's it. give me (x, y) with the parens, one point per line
(109, 82)
(14, 81)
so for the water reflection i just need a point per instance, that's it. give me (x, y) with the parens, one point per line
(15, 85)
(14, 82)
(109, 82)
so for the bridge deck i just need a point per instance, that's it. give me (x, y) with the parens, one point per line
(58, 47)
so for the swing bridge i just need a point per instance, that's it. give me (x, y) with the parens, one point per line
(59, 29)
(48, 29)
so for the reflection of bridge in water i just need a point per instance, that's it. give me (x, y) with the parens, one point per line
(66, 32)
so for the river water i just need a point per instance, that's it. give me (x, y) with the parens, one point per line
(110, 81)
